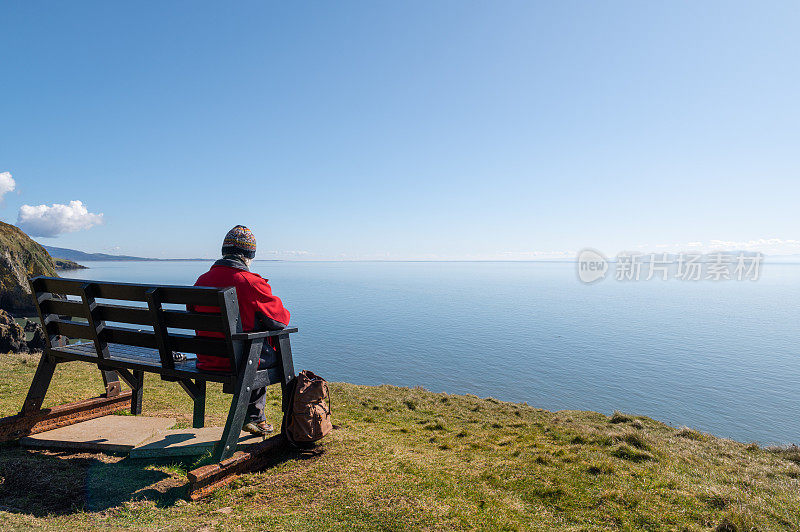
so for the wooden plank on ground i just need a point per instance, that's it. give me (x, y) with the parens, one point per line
(204, 480)
(17, 426)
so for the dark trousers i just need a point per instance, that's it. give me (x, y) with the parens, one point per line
(258, 397)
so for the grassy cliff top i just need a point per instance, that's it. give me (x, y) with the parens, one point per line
(408, 459)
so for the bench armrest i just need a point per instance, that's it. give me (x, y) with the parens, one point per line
(262, 334)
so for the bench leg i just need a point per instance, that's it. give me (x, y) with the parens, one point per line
(40, 384)
(197, 391)
(111, 381)
(284, 349)
(137, 393)
(136, 381)
(199, 413)
(241, 398)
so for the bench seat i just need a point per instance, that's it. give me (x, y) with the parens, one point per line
(138, 358)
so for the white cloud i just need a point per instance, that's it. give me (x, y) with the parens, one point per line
(7, 183)
(532, 255)
(291, 253)
(43, 220)
(757, 245)
(767, 246)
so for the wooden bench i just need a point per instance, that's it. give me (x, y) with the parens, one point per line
(128, 330)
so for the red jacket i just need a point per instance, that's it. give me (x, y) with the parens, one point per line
(257, 305)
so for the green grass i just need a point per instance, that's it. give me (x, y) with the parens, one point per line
(408, 459)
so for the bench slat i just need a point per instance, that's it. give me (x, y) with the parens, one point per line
(184, 343)
(63, 308)
(138, 359)
(125, 314)
(202, 345)
(71, 329)
(181, 319)
(176, 319)
(182, 295)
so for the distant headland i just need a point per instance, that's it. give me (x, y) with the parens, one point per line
(81, 256)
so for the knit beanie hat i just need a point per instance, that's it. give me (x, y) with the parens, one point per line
(239, 241)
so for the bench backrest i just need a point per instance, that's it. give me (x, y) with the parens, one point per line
(134, 306)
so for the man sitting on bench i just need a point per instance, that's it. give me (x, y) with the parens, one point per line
(259, 311)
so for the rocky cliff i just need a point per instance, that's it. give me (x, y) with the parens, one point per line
(20, 258)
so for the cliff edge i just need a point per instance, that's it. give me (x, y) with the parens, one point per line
(20, 258)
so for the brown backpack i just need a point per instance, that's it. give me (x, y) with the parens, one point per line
(306, 417)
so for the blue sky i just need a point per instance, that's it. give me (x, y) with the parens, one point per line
(402, 130)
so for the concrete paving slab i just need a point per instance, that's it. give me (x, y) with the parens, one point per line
(186, 442)
(103, 434)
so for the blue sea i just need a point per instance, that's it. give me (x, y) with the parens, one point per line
(720, 357)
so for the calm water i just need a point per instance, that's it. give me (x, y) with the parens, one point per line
(719, 357)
